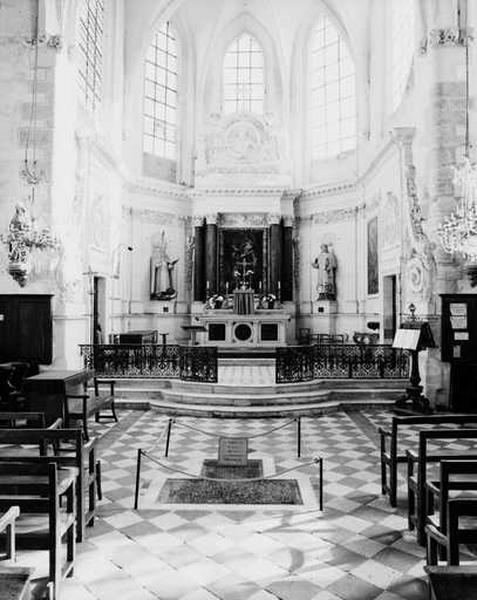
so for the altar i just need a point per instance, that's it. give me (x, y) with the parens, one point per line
(262, 328)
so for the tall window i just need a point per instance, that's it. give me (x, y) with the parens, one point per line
(160, 95)
(90, 44)
(402, 47)
(332, 93)
(244, 87)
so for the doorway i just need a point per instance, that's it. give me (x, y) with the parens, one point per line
(389, 308)
(99, 309)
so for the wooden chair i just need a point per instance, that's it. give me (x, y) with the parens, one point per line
(462, 529)
(7, 525)
(37, 490)
(457, 477)
(418, 465)
(390, 457)
(81, 406)
(70, 450)
(452, 583)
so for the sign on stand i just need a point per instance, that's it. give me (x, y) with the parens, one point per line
(233, 451)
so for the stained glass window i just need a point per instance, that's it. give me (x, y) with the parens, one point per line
(90, 44)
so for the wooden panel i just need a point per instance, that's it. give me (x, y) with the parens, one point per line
(26, 331)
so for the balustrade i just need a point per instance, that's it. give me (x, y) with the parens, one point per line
(171, 361)
(343, 361)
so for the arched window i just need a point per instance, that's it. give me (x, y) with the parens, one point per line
(160, 94)
(332, 92)
(90, 31)
(243, 74)
(402, 47)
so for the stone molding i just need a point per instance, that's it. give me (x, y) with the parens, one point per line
(450, 37)
(329, 216)
(146, 187)
(202, 193)
(325, 190)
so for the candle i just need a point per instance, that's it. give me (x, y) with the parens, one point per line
(260, 285)
(207, 284)
(279, 285)
(226, 287)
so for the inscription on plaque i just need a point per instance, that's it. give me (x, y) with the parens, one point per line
(233, 451)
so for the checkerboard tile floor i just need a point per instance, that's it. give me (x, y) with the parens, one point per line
(358, 548)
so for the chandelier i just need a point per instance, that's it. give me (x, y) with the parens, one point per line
(23, 236)
(458, 232)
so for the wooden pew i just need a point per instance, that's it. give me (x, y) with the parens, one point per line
(390, 457)
(82, 406)
(457, 478)
(37, 490)
(417, 471)
(10, 420)
(458, 532)
(70, 451)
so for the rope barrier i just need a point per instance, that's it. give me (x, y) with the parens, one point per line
(223, 480)
(250, 437)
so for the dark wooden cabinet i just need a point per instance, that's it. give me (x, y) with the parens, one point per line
(459, 348)
(26, 330)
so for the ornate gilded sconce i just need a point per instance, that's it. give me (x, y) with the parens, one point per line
(22, 238)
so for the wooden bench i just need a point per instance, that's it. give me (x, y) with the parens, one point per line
(390, 458)
(70, 450)
(82, 406)
(38, 490)
(417, 471)
(452, 583)
(7, 525)
(458, 532)
(457, 478)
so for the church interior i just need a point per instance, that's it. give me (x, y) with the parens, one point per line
(238, 323)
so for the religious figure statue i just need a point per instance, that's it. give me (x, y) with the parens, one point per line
(162, 271)
(326, 265)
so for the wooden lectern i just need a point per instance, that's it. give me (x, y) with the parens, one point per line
(414, 335)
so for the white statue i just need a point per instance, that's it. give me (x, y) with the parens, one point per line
(326, 265)
(162, 271)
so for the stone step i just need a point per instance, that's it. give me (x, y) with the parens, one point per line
(255, 412)
(251, 399)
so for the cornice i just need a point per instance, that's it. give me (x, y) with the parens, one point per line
(240, 191)
(171, 190)
(327, 190)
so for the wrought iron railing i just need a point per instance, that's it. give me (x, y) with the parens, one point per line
(304, 363)
(169, 361)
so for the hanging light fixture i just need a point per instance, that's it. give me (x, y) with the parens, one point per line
(458, 232)
(23, 235)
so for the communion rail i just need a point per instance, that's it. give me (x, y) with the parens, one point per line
(171, 361)
(343, 361)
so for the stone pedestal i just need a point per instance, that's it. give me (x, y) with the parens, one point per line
(324, 316)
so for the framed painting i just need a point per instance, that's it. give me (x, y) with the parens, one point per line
(373, 257)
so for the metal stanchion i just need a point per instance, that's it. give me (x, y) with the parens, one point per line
(138, 478)
(298, 435)
(321, 483)
(168, 439)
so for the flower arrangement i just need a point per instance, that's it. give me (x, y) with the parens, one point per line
(268, 300)
(215, 301)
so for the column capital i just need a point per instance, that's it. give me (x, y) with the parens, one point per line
(274, 218)
(211, 219)
(403, 135)
(198, 220)
(448, 37)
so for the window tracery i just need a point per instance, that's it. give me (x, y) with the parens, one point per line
(90, 31)
(332, 92)
(160, 94)
(243, 76)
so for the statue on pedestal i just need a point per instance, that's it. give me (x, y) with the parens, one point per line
(326, 265)
(162, 271)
